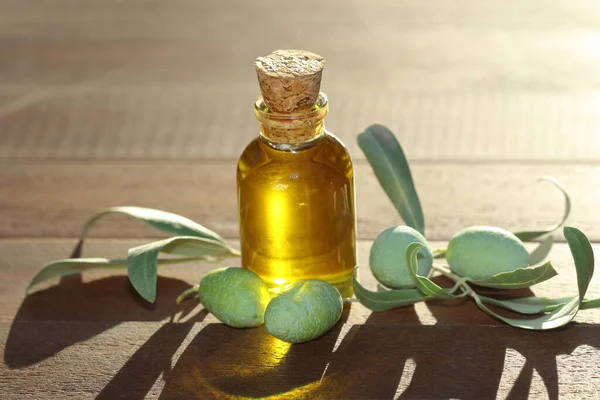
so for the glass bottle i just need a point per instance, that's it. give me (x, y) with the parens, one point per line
(296, 199)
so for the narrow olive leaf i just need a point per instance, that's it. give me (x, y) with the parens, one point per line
(385, 300)
(526, 236)
(424, 284)
(164, 221)
(142, 260)
(61, 268)
(583, 255)
(587, 304)
(540, 253)
(519, 278)
(66, 267)
(194, 247)
(528, 305)
(556, 318)
(389, 163)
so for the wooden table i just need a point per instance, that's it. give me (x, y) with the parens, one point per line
(149, 103)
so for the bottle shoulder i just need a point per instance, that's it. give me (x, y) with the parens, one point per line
(252, 157)
(337, 143)
(337, 151)
(329, 154)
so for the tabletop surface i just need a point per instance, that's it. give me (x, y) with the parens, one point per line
(149, 103)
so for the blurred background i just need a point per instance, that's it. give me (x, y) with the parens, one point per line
(456, 80)
(106, 99)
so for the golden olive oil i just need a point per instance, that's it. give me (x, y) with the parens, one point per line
(297, 212)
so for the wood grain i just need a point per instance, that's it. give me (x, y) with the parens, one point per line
(107, 296)
(155, 360)
(199, 122)
(95, 336)
(149, 103)
(54, 199)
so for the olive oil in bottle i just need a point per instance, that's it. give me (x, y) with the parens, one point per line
(295, 181)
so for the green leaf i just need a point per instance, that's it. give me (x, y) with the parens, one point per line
(540, 253)
(555, 319)
(142, 260)
(71, 266)
(526, 236)
(587, 304)
(519, 278)
(387, 159)
(424, 284)
(192, 247)
(528, 305)
(388, 299)
(583, 255)
(164, 221)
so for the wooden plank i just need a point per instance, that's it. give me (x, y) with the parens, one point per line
(54, 199)
(196, 121)
(107, 296)
(156, 360)
(84, 338)
(132, 81)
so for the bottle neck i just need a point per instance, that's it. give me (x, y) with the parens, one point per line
(294, 130)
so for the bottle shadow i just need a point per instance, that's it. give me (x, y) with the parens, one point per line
(227, 362)
(42, 326)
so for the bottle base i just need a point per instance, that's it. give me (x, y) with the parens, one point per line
(342, 282)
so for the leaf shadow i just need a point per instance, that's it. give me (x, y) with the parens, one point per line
(468, 346)
(369, 362)
(463, 356)
(137, 376)
(391, 355)
(42, 326)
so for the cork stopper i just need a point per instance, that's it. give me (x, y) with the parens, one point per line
(290, 80)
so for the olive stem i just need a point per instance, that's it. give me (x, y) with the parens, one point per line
(467, 290)
(186, 293)
(439, 253)
(459, 281)
(446, 272)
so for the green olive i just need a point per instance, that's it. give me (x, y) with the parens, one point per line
(481, 252)
(236, 296)
(388, 257)
(303, 312)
